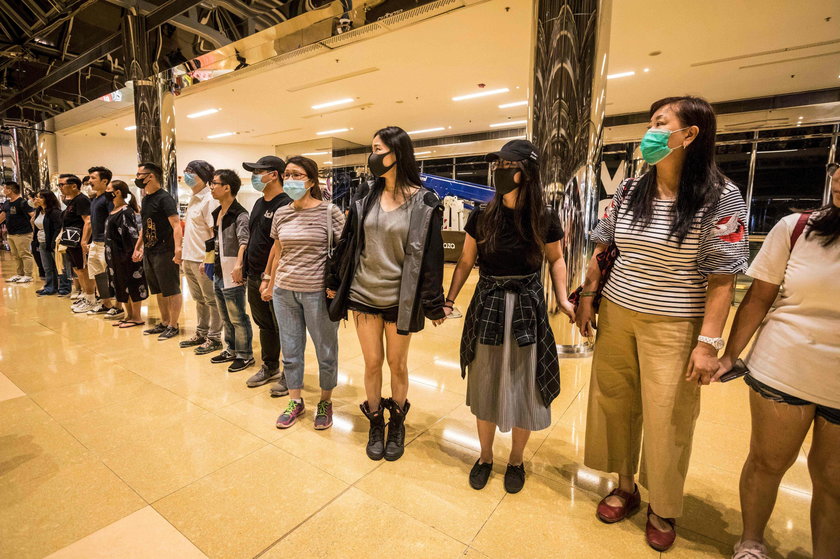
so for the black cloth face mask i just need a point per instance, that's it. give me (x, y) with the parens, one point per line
(376, 166)
(109, 195)
(503, 180)
(139, 183)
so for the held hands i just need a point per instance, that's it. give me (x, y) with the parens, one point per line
(85, 248)
(703, 365)
(137, 256)
(585, 317)
(265, 290)
(236, 275)
(177, 258)
(725, 364)
(330, 294)
(567, 308)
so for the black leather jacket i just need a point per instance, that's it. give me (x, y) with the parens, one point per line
(421, 288)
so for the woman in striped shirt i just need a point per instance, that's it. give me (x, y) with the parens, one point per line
(680, 231)
(297, 264)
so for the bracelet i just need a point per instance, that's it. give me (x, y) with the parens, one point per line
(589, 294)
(450, 301)
(448, 306)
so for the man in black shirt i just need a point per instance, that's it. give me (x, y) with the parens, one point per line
(267, 177)
(74, 220)
(93, 241)
(159, 247)
(16, 213)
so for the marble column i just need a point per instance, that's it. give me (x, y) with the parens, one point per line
(26, 148)
(47, 152)
(570, 40)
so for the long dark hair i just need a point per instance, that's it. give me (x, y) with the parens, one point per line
(311, 170)
(122, 188)
(529, 216)
(50, 201)
(408, 171)
(825, 224)
(701, 182)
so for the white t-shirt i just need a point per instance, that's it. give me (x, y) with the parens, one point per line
(198, 226)
(797, 348)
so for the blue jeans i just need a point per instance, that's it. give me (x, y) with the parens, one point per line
(50, 271)
(65, 279)
(298, 313)
(237, 323)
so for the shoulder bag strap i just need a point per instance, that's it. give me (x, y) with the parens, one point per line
(330, 244)
(799, 228)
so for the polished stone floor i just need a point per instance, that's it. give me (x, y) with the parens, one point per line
(113, 444)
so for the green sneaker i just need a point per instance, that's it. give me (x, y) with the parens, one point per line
(289, 417)
(323, 415)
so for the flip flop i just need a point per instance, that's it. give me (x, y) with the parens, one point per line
(131, 324)
(118, 324)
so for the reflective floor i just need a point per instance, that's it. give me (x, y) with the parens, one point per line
(113, 444)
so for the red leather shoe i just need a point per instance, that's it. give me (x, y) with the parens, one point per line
(610, 514)
(658, 540)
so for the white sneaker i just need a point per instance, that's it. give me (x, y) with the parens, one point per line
(750, 550)
(13, 279)
(98, 308)
(84, 307)
(114, 314)
(75, 294)
(25, 279)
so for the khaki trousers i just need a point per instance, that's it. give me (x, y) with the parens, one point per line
(638, 383)
(21, 246)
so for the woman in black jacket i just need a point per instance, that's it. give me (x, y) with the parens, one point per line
(47, 226)
(390, 274)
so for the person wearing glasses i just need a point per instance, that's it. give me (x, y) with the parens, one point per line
(159, 248)
(267, 178)
(300, 233)
(794, 305)
(514, 373)
(230, 239)
(76, 219)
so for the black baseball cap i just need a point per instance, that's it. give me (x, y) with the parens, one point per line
(266, 163)
(515, 150)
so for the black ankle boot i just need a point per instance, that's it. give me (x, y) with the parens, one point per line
(376, 436)
(396, 429)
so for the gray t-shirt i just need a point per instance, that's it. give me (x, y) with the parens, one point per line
(379, 273)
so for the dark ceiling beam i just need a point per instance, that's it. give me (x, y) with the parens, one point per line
(186, 22)
(155, 19)
(12, 13)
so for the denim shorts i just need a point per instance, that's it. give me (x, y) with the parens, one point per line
(832, 415)
(389, 315)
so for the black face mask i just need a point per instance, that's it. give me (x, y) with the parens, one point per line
(376, 166)
(109, 195)
(503, 180)
(139, 183)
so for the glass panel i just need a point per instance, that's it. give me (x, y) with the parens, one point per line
(471, 169)
(789, 177)
(734, 162)
(438, 167)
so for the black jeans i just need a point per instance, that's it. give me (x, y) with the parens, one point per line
(263, 314)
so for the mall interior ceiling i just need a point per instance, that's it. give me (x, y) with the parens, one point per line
(322, 75)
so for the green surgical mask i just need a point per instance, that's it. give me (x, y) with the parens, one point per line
(654, 146)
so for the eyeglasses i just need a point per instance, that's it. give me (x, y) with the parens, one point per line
(295, 176)
(141, 175)
(502, 164)
(831, 168)
(216, 183)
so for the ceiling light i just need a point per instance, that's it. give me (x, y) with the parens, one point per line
(203, 113)
(311, 153)
(438, 129)
(422, 152)
(132, 127)
(222, 135)
(647, 70)
(508, 123)
(480, 94)
(333, 103)
(327, 162)
(620, 75)
(800, 118)
(515, 104)
(336, 131)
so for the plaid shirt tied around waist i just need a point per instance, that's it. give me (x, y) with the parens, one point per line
(485, 323)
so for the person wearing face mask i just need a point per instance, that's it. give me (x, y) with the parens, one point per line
(266, 177)
(159, 248)
(198, 241)
(100, 206)
(681, 237)
(75, 221)
(390, 290)
(127, 278)
(514, 373)
(300, 232)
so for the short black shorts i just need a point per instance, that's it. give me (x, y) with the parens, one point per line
(388, 315)
(832, 415)
(77, 257)
(162, 274)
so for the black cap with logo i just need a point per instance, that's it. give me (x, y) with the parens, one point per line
(515, 150)
(266, 163)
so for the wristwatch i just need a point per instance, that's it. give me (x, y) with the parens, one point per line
(266, 277)
(716, 343)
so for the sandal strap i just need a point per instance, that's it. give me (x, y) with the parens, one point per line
(623, 494)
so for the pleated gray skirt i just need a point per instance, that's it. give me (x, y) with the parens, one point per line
(502, 382)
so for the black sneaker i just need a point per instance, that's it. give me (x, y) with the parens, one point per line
(170, 332)
(514, 478)
(224, 357)
(279, 388)
(479, 474)
(240, 365)
(208, 346)
(263, 376)
(194, 341)
(159, 328)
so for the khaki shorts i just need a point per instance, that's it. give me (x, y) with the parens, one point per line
(96, 263)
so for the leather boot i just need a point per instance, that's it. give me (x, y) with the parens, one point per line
(396, 429)
(376, 435)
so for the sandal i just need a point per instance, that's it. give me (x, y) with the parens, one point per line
(131, 324)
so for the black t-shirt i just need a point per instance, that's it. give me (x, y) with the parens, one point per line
(17, 216)
(509, 256)
(100, 207)
(259, 244)
(157, 208)
(76, 208)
